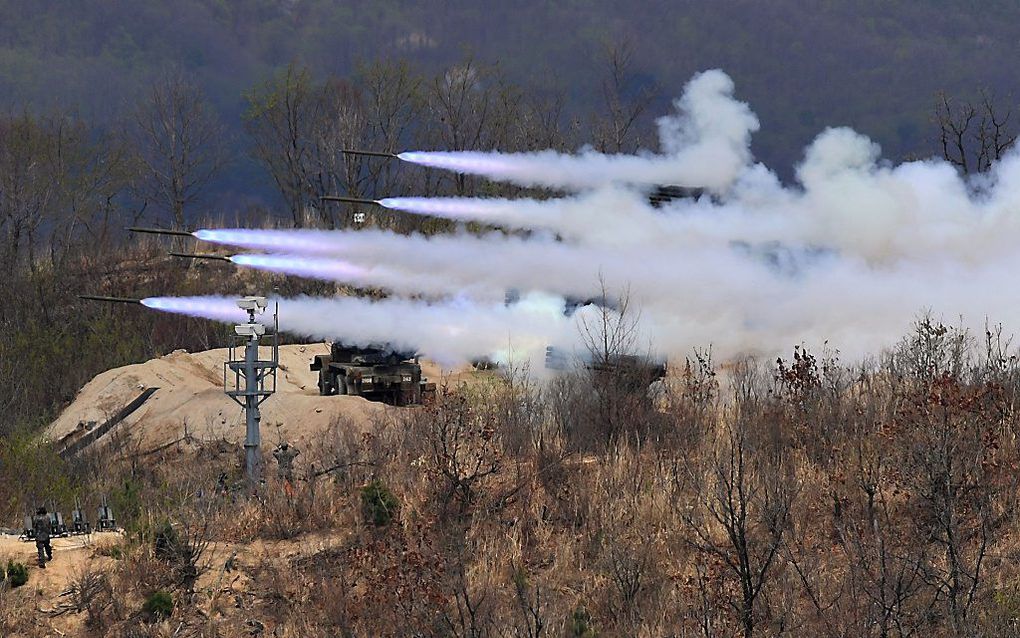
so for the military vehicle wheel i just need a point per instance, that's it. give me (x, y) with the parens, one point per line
(325, 384)
(341, 386)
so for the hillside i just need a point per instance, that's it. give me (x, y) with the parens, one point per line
(189, 400)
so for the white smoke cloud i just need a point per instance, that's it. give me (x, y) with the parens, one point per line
(851, 253)
(706, 143)
(450, 332)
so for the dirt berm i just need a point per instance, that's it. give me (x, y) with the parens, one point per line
(190, 393)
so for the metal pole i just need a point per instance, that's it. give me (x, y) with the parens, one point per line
(251, 408)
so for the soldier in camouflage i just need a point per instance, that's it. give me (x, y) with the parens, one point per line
(41, 529)
(284, 455)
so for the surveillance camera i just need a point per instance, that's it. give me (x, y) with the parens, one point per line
(256, 304)
(249, 329)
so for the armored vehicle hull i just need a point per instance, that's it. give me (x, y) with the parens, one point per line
(373, 373)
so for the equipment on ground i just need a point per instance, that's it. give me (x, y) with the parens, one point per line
(630, 371)
(556, 358)
(105, 521)
(57, 526)
(662, 195)
(375, 373)
(79, 524)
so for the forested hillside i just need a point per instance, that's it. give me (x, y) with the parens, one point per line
(873, 65)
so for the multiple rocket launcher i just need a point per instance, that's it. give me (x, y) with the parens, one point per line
(659, 196)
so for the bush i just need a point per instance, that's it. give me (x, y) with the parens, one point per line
(16, 574)
(378, 504)
(181, 548)
(113, 550)
(166, 543)
(159, 605)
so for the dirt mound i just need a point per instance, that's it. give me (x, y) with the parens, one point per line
(190, 395)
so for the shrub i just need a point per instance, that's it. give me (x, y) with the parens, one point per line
(166, 543)
(159, 605)
(181, 548)
(378, 504)
(17, 574)
(113, 550)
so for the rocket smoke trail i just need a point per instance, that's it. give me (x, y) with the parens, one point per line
(316, 268)
(570, 216)
(450, 332)
(705, 144)
(851, 252)
(340, 271)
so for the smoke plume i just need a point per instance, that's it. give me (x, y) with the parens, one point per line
(851, 253)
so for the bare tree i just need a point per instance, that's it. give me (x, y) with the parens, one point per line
(462, 447)
(470, 107)
(180, 145)
(615, 131)
(616, 376)
(739, 515)
(973, 135)
(27, 187)
(530, 605)
(613, 330)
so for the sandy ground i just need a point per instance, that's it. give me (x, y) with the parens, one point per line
(191, 395)
(224, 575)
(41, 596)
(73, 552)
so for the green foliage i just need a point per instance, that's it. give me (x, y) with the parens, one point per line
(127, 504)
(379, 505)
(166, 542)
(1007, 603)
(16, 574)
(520, 579)
(159, 605)
(32, 473)
(113, 550)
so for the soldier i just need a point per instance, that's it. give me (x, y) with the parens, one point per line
(42, 528)
(284, 455)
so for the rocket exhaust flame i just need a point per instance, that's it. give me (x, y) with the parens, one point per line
(308, 241)
(218, 308)
(313, 267)
(705, 144)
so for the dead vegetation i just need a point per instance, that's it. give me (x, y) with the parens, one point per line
(799, 498)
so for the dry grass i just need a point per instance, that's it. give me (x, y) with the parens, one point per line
(801, 500)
